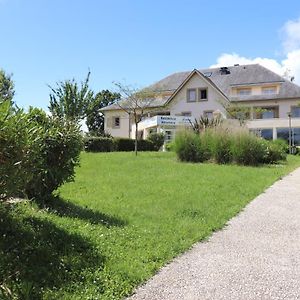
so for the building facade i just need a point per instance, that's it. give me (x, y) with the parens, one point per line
(272, 102)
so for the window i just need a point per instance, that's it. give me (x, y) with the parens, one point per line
(267, 134)
(186, 114)
(116, 122)
(283, 133)
(202, 94)
(295, 110)
(208, 114)
(191, 95)
(266, 112)
(244, 92)
(269, 90)
(168, 136)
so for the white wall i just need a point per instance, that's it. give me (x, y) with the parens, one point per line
(123, 131)
(179, 103)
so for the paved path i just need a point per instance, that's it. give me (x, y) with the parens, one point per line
(257, 256)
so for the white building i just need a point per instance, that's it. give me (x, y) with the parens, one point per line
(185, 96)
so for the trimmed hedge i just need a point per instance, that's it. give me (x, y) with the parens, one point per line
(102, 144)
(99, 144)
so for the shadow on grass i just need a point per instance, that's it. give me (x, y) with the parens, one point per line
(36, 255)
(64, 208)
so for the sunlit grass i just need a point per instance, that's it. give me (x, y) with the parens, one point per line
(121, 220)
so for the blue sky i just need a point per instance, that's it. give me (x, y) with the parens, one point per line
(44, 41)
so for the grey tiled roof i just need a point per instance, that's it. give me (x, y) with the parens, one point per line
(239, 75)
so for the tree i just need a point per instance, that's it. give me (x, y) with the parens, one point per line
(135, 103)
(6, 87)
(95, 118)
(69, 100)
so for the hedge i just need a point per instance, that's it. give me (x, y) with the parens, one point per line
(103, 144)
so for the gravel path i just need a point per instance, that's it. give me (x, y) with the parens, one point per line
(257, 256)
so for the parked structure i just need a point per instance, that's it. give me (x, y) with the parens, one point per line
(272, 100)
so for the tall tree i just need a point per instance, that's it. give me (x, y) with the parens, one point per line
(7, 87)
(136, 103)
(71, 100)
(95, 118)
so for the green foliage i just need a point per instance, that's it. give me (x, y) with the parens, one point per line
(276, 151)
(95, 118)
(204, 123)
(157, 139)
(14, 149)
(55, 153)
(248, 149)
(127, 144)
(226, 146)
(69, 101)
(6, 87)
(103, 144)
(189, 148)
(99, 144)
(113, 229)
(221, 146)
(38, 153)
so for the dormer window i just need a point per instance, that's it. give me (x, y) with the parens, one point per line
(191, 95)
(269, 90)
(244, 91)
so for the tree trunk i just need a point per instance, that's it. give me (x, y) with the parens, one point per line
(136, 139)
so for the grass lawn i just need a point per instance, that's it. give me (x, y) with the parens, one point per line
(121, 220)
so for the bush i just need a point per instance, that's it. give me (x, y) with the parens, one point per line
(54, 153)
(276, 151)
(13, 150)
(157, 139)
(99, 144)
(227, 145)
(146, 145)
(188, 147)
(221, 146)
(38, 153)
(248, 149)
(126, 144)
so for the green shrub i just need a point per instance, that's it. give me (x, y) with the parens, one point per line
(146, 145)
(221, 146)
(38, 153)
(54, 153)
(276, 151)
(248, 149)
(126, 144)
(188, 147)
(13, 150)
(226, 145)
(99, 144)
(157, 139)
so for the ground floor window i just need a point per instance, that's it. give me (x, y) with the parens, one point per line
(283, 133)
(168, 136)
(267, 134)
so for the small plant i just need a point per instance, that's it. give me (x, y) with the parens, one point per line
(204, 123)
(157, 139)
(189, 147)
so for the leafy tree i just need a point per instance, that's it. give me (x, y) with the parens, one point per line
(95, 119)
(69, 100)
(6, 87)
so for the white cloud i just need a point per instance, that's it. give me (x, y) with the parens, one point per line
(289, 65)
(291, 35)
